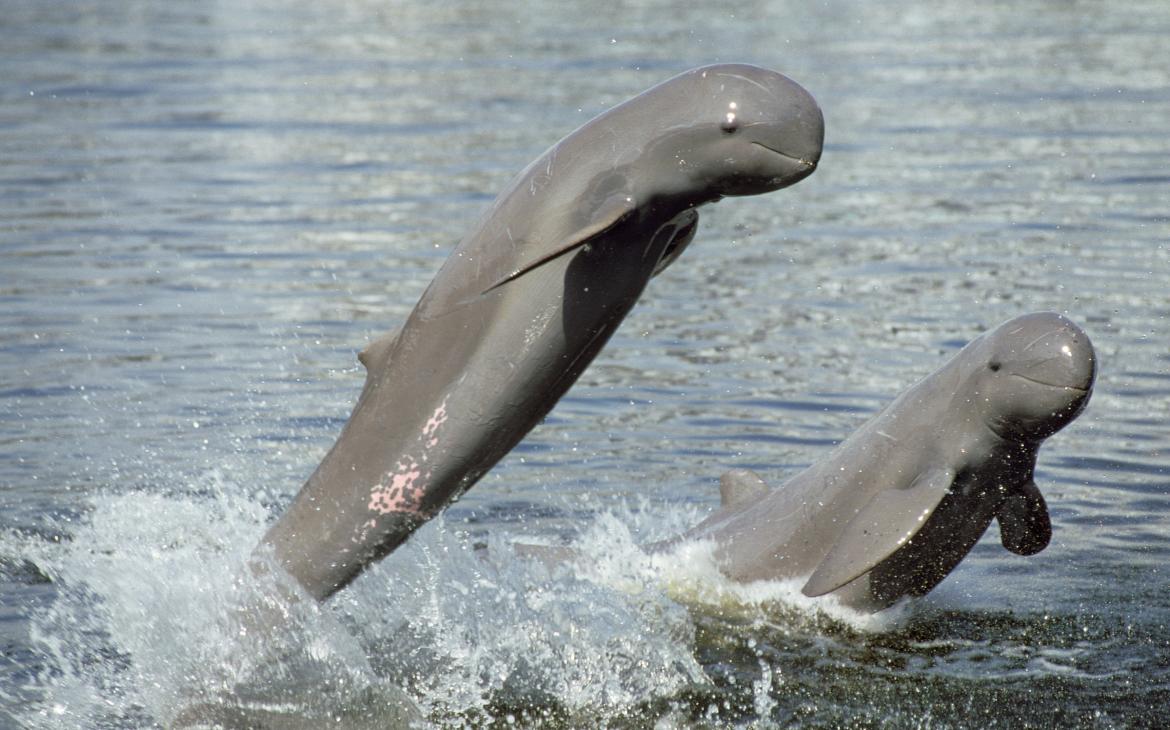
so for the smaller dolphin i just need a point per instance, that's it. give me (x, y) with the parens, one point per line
(895, 507)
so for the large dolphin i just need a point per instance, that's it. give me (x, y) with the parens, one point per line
(895, 507)
(529, 297)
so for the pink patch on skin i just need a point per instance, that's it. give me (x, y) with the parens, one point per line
(402, 490)
(431, 428)
(437, 419)
(401, 494)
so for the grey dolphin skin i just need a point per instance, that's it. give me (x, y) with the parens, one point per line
(895, 507)
(529, 297)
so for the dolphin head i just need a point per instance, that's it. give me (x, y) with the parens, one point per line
(735, 129)
(1035, 375)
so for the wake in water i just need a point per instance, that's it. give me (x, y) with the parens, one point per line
(158, 619)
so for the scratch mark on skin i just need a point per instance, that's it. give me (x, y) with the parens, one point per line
(1032, 344)
(745, 79)
(364, 530)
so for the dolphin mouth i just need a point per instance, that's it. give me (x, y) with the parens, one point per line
(802, 162)
(1061, 386)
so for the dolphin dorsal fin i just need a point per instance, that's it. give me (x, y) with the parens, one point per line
(740, 485)
(884, 524)
(1024, 525)
(377, 351)
(612, 211)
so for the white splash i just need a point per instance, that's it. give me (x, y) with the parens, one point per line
(156, 611)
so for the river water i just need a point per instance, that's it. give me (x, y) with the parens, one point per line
(207, 209)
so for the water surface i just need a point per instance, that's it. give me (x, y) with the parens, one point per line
(208, 210)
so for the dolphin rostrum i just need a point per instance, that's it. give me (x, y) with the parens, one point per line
(529, 297)
(895, 507)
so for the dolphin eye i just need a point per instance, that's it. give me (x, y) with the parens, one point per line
(994, 366)
(730, 123)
